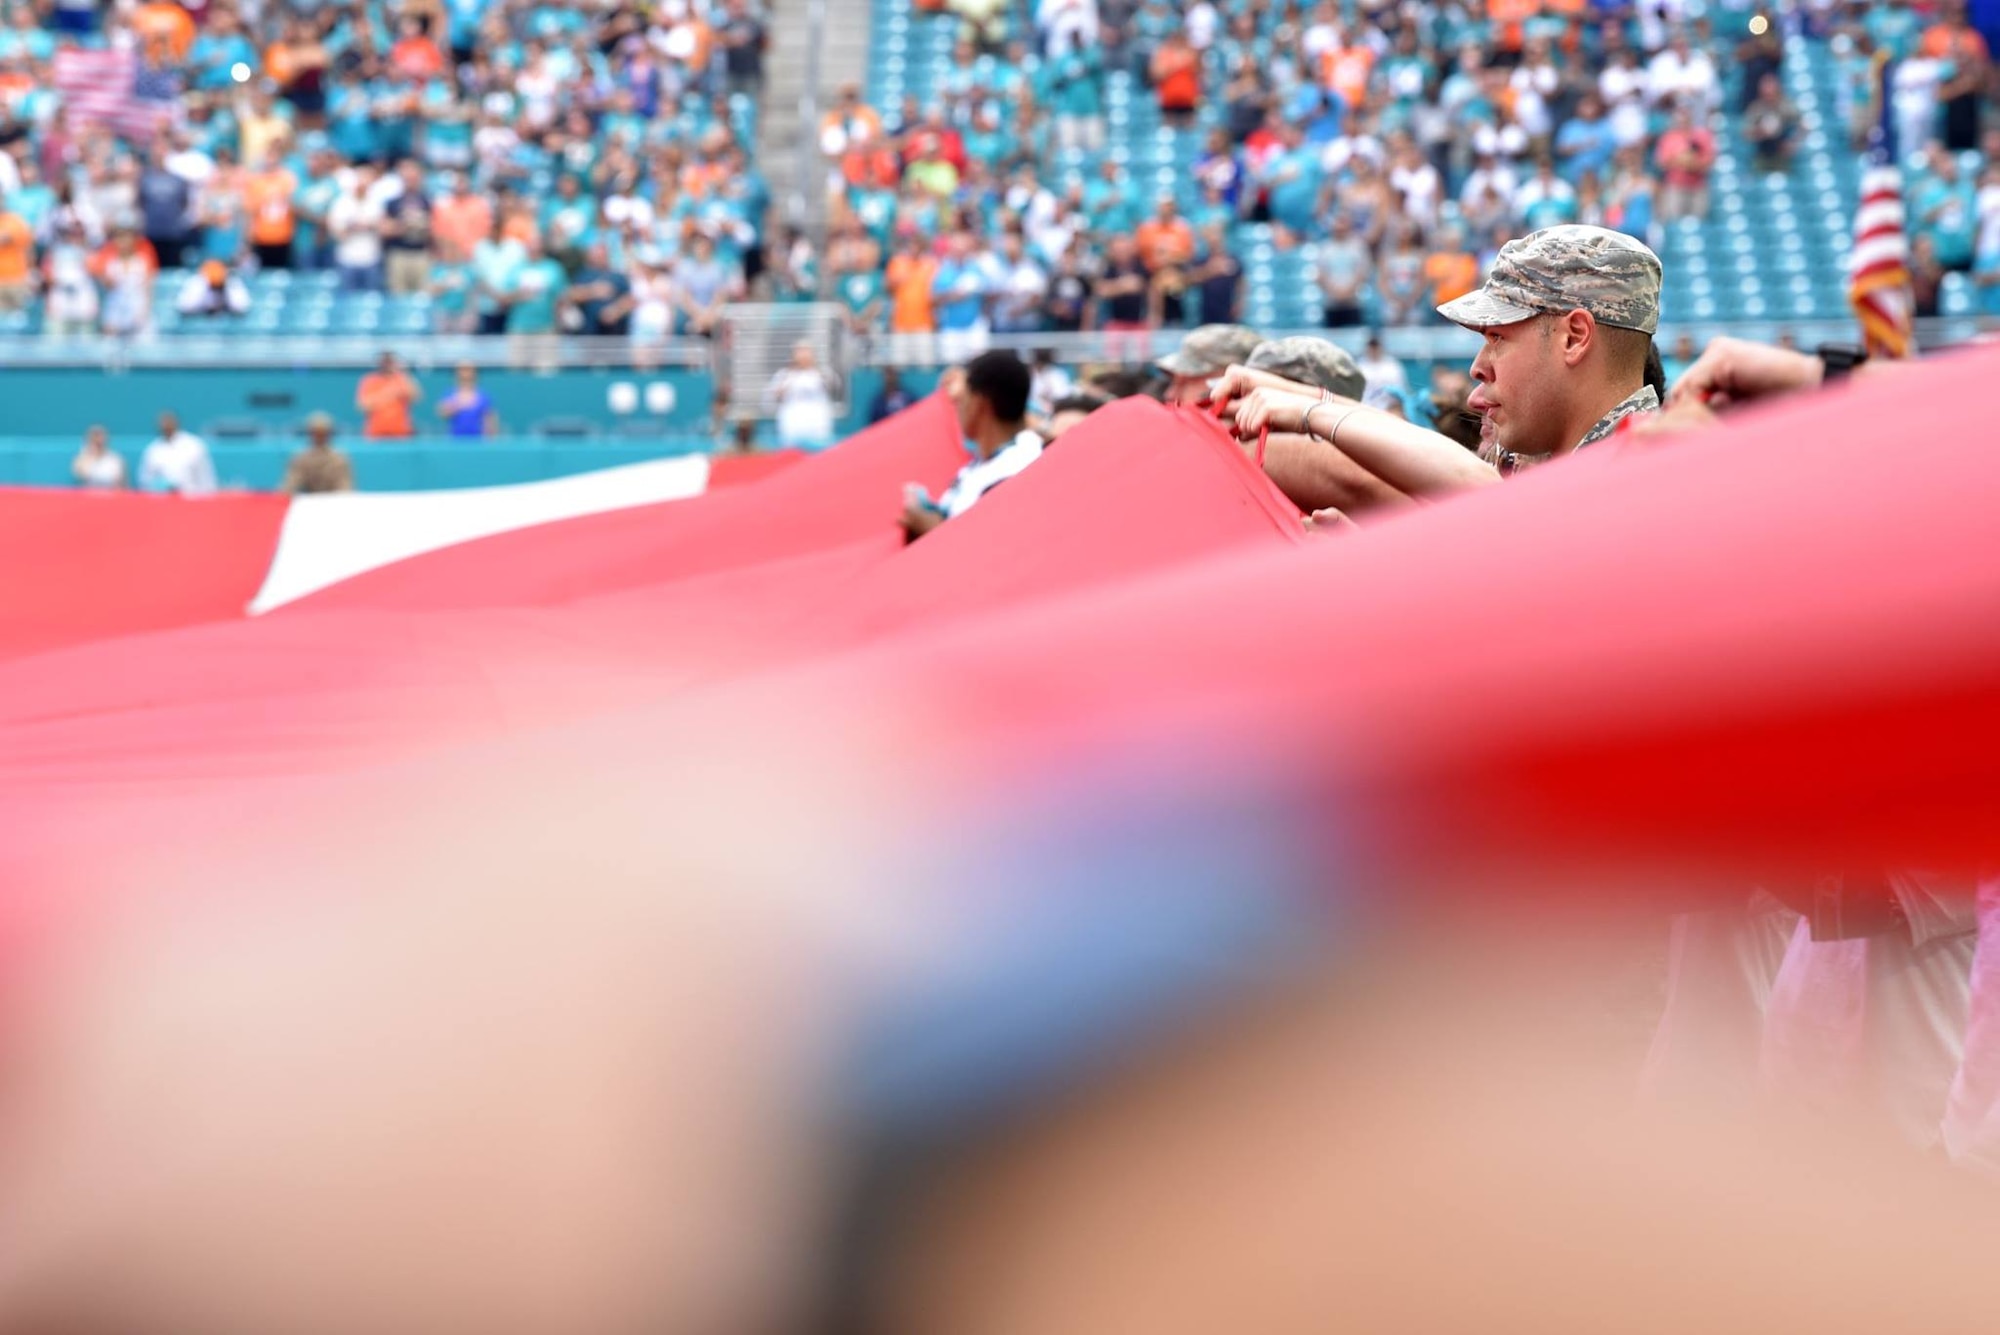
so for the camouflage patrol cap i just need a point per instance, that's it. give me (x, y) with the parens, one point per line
(1311, 361)
(1572, 267)
(1210, 349)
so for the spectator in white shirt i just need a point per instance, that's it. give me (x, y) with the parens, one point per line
(991, 396)
(356, 220)
(213, 290)
(1682, 74)
(177, 461)
(1017, 296)
(1623, 87)
(96, 466)
(1380, 370)
(802, 395)
(1066, 26)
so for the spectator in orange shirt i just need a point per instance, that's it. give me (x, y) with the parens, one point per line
(414, 53)
(1176, 71)
(17, 245)
(385, 397)
(852, 122)
(462, 218)
(164, 21)
(1165, 239)
(909, 278)
(1451, 270)
(267, 202)
(1954, 40)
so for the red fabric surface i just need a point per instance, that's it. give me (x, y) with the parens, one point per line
(84, 566)
(1771, 640)
(832, 498)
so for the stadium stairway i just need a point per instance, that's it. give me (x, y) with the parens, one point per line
(787, 137)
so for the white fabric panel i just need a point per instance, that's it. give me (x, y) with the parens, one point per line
(330, 538)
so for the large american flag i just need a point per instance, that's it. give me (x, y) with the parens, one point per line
(1878, 270)
(104, 87)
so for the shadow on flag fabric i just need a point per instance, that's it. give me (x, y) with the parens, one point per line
(1878, 285)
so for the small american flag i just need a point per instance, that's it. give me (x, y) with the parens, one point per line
(1878, 270)
(103, 87)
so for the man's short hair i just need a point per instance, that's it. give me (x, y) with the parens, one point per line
(1003, 380)
(1084, 401)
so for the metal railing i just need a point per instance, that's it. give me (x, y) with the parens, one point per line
(822, 323)
(196, 351)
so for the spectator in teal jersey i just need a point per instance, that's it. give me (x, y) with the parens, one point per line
(319, 187)
(569, 221)
(397, 102)
(219, 206)
(446, 127)
(33, 200)
(1210, 209)
(218, 49)
(537, 286)
(1986, 279)
(1291, 178)
(986, 139)
(875, 209)
(1545, 199)
(24, 36)
(1944, 207)
(351, 121)
(1894, 27)
(451, 291)
(1073, 88)
(860, 291)
(1405, 74)
(1113, 204)
(963, 81)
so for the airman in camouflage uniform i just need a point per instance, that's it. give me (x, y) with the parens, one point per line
(1206, 352)
(1311, 361)
(1562, 269)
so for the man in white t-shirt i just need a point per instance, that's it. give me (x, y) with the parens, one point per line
(991, 396)
(177, 461)
(1680, 74)
(356, 220)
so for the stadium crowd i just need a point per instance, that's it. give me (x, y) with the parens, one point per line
(515, 166)
(532, 168)
(1403, 144)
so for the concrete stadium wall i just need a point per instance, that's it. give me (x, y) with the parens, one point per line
(62, 401)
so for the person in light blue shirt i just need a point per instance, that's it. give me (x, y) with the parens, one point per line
(496, 262)
(959, 291)
(1586, 142)
(319, 187)
(33, 200)
(1292, 177)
